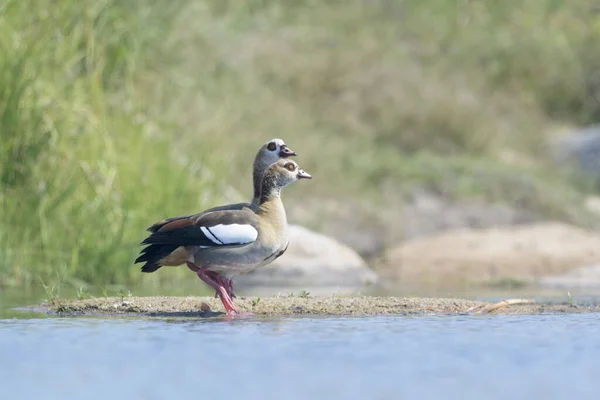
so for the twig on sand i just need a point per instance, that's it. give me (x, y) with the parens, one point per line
(486, 309)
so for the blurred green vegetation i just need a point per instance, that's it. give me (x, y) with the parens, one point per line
(84, 167)
(114, 114)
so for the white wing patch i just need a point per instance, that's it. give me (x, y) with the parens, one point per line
(210, 235)
(230, 234)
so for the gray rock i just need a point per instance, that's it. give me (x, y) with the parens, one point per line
(313, 260)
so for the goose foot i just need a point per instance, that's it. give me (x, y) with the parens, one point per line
(233, 316)
(208, 277)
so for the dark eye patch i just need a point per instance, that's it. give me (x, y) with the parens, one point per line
(271, 146)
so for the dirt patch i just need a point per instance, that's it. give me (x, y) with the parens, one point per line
(281, 306)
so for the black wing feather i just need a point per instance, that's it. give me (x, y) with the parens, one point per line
(153, 254)
(188, 236)
(163, 239)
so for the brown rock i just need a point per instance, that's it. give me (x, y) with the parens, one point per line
(466, 257)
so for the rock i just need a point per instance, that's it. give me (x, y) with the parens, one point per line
(370, 229)
(312, 260)
(467, 257)
(581, 278)
(354, 223)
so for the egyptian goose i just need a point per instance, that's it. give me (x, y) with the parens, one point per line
(273, 150)
(221, 244)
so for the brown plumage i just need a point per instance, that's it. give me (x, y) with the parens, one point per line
(218, 245)
(158, 255)
(270, 152)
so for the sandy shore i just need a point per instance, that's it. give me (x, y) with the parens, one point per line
(281, 306)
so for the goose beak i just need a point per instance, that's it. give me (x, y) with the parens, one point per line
(285, 152)
(304, 175)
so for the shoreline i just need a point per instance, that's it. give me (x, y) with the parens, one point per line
(192, 306)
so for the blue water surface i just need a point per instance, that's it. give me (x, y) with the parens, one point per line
(416, 357)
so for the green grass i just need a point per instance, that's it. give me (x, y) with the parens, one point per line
(85, 167)
(115, 114)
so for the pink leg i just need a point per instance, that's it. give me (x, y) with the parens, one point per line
(193, 267)
(217, 278)
(216, 284)
(231, 294)
(211, 274)
(227, 283)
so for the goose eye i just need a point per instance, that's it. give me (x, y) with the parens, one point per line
(271, 146)
(290, 167)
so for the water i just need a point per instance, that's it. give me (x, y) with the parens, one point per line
(418, 357)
